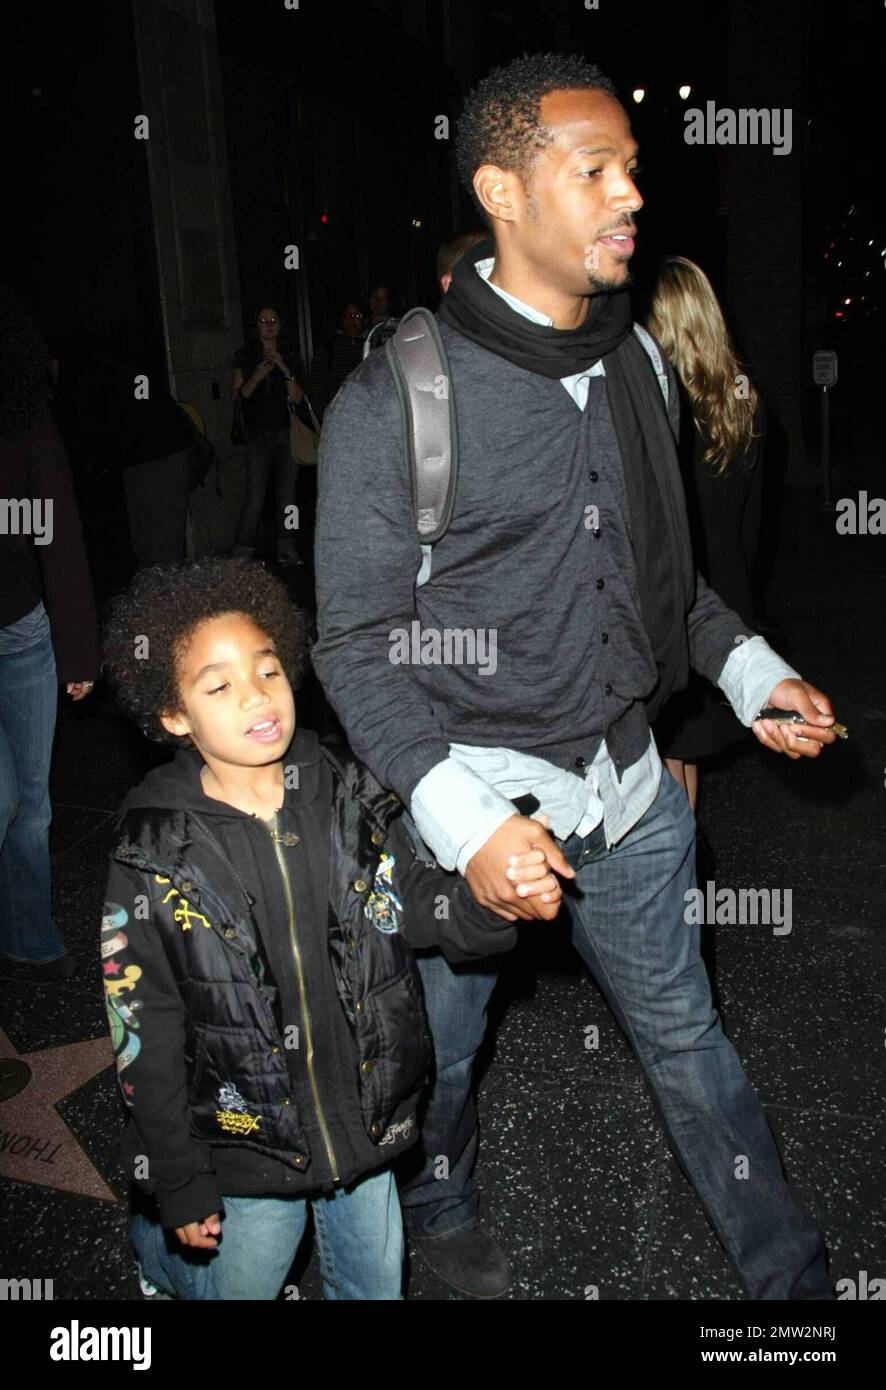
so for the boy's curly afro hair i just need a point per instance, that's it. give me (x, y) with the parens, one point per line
(501, 121)
(165, 604)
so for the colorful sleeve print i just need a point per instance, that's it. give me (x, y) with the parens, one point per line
(120, 982)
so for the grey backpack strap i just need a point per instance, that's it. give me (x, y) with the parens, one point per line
(659, 362)
(421, 371)
(655, 357)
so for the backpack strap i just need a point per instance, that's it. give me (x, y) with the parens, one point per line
(421, 372)
(655, 358)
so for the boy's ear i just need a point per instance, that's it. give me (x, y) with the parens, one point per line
(175, 724)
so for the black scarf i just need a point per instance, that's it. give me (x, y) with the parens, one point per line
(657, 522)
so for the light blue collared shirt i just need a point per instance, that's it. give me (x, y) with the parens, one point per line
(464, 799)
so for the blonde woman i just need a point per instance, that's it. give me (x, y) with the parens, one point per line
(721, 438)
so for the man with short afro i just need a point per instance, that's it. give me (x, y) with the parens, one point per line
(501, 120)
(566, 540)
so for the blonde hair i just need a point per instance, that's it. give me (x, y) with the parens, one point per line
(686, 318)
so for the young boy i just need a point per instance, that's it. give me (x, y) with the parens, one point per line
(265, 1008)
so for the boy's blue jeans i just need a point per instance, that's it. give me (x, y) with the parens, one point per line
(627, 911)
(359, 1238)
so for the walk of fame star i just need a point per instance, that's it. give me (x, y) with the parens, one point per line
(36, 1145)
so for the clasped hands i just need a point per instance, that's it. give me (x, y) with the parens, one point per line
(514, 873)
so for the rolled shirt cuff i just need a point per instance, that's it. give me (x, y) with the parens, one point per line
(455, 812)
(751, 672)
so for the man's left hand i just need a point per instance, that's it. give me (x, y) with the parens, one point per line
(798, 740)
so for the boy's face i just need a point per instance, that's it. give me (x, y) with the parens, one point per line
(236, 702)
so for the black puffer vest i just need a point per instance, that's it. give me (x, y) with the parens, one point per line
(302, 1037)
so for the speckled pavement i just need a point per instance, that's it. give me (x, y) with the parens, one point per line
(577, 1180)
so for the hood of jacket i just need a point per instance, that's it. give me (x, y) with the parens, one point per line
(177, 785)
(157, 818)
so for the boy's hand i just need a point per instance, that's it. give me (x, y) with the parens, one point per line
(78, 689)
(200, 1234)
(486, 872)
(531, 873)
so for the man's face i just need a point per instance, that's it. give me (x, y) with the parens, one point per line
(236, 702)
(575, 220)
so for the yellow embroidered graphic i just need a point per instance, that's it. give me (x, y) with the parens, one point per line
(235, 1123)
(131, 975)
(184, 912)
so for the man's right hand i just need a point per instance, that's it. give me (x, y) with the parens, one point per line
(486, 872)
(200, 1234)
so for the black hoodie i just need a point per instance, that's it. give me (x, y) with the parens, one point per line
(265, 1008)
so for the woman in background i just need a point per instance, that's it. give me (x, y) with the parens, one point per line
(721, 438)
(264, 384)
(48, 635)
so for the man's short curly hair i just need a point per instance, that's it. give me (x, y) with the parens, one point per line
(165, 604)
(501, 122)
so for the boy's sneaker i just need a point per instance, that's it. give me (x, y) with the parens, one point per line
(149, 1290)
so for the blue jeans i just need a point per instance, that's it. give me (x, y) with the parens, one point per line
(28, 703)
(456, 999)
(269, 454)
(359, 1237)
(627, 909)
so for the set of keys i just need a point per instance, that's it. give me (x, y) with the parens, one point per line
(785, 716)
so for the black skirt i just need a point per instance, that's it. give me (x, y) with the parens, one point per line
(724, 519)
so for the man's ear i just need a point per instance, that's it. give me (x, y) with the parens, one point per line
(496, 191)
(175, 724)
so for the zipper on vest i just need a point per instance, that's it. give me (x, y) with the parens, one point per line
(277, 840)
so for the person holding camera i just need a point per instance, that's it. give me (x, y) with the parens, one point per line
(264, 384)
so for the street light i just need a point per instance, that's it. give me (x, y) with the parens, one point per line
(684, 92)
(638, 94)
